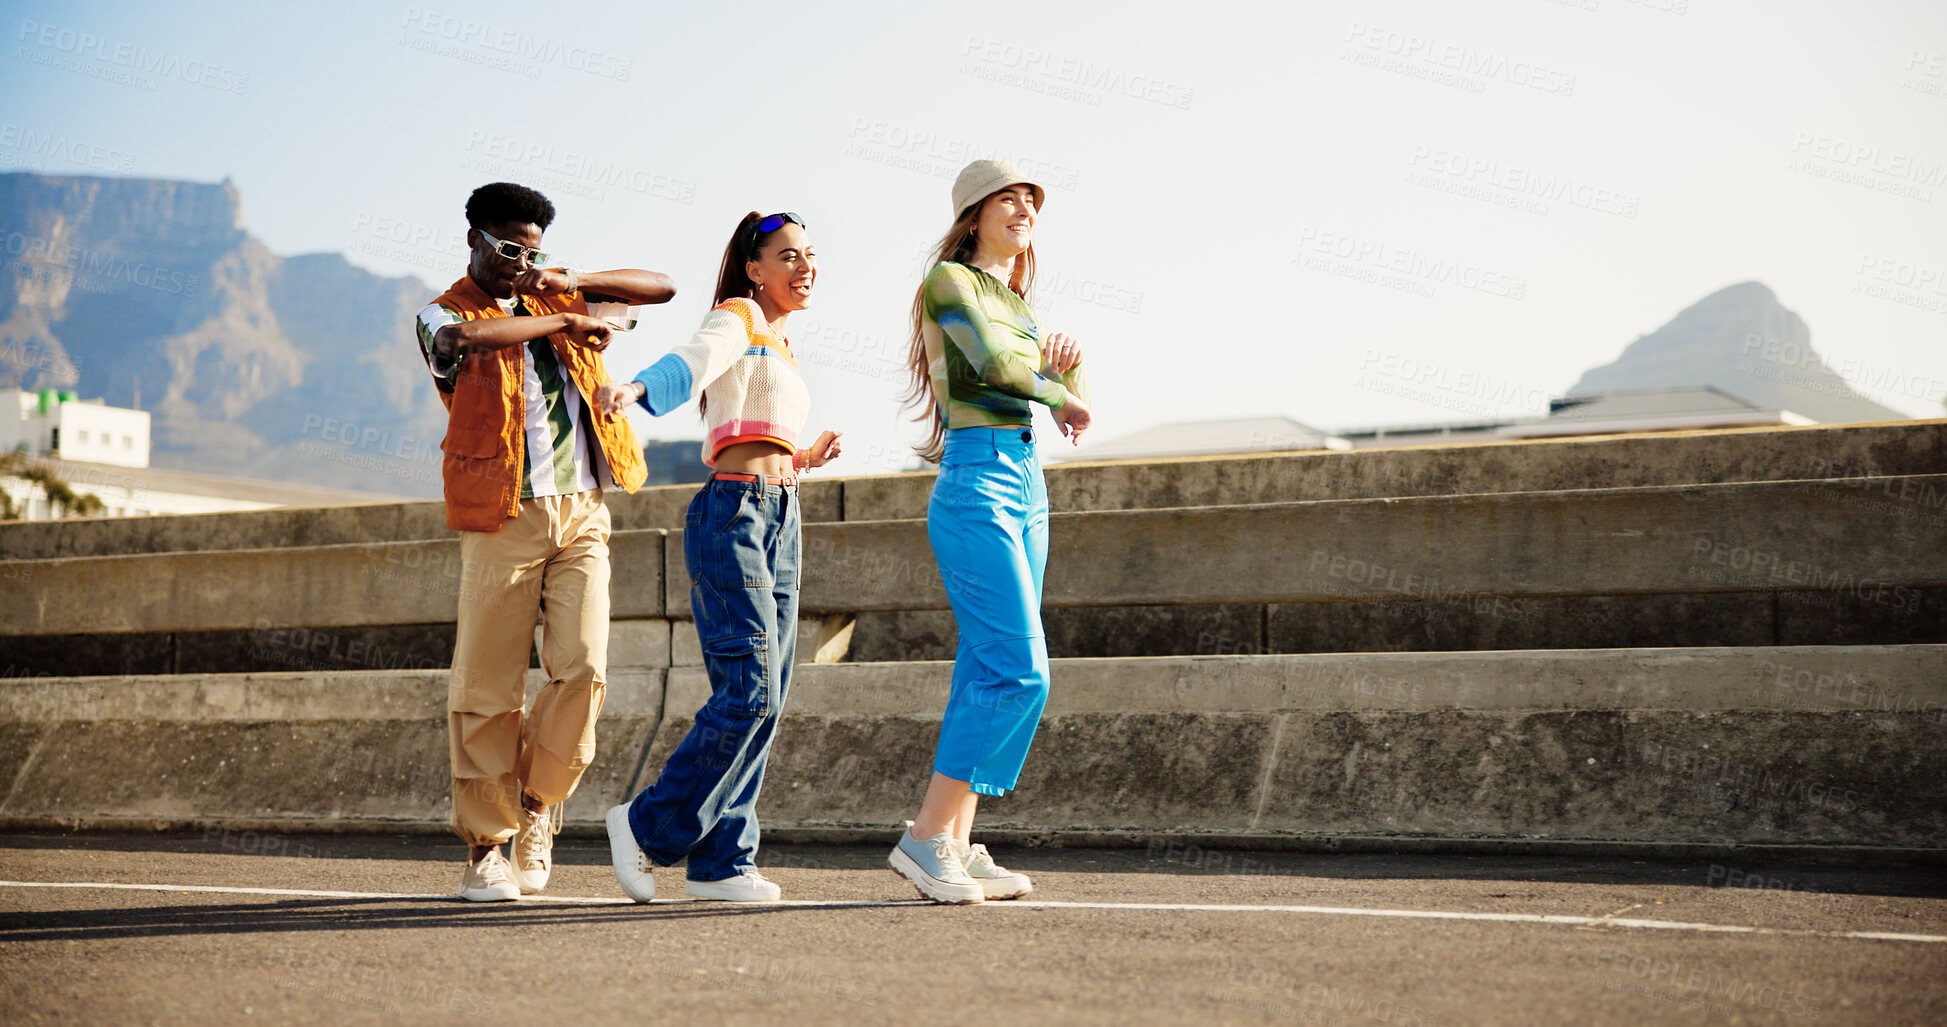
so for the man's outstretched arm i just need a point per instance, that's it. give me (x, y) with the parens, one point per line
(630, 284)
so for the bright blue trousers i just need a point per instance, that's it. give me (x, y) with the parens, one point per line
(988, 522)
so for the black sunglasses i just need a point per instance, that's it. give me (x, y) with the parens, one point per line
(766, 226)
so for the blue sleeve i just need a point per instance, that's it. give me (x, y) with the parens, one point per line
(666, 384)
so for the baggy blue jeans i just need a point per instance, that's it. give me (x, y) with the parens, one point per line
(988, 523)
(742, 543)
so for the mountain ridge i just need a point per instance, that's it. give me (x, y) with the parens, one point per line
(120, 285)
(1740, 340)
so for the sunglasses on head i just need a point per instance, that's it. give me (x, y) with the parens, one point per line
(513, 251)
(766, 226)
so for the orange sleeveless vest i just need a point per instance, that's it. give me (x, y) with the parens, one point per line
(486, 417)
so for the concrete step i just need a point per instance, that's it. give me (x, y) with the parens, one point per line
(1821, 747)
(1737, 538)
(1633, 461)
(1878, 544)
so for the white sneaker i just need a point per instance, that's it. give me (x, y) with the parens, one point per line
(934, 867)
(632, 866)
(490, 880)
(996, 881)
(749, 886)
(533, 850)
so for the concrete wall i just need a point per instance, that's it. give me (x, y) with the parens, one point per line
(286, 667)
(1804, 746)
(1674, 458)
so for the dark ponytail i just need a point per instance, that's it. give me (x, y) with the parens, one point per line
(732, 282)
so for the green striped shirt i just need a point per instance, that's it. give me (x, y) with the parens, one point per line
(558, 451)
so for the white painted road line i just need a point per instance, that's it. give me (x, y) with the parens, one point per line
(1166, 907)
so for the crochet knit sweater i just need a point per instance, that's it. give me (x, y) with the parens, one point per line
(749, 380)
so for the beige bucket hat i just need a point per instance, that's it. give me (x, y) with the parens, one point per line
(983, 178)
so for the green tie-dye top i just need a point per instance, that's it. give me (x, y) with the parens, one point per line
(983, 347)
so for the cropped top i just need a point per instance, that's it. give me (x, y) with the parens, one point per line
(749, 380)
(983, 350)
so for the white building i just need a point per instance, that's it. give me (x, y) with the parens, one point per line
(103, 451)
(53, 422)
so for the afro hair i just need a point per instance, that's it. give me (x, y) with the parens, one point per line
(501, 203)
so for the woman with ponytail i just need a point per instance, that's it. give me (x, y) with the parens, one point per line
(979, 364)
(741, 545)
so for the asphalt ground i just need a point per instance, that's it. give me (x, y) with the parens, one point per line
(363, 929)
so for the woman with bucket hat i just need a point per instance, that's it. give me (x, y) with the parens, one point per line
(979, 364)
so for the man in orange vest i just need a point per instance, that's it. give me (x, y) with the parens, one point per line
(516, 356)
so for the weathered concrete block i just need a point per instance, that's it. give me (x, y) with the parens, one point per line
(1812, 745)
(1079, 631)
(326, 586)
(907, 635)
(313, 751)
(1744, 777)
(1862, 616)
(1140, 770)
(638, 643)
(1538, 465)
(1706, 539)
(1674, 458)
(279, 528)
(1522, 622)
(1718, 538)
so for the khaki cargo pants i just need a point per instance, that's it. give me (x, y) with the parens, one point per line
(549, 565)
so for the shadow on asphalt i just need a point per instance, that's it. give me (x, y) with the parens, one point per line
(290, 915)
(1908, 881)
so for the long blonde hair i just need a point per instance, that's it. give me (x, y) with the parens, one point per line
(957, 245)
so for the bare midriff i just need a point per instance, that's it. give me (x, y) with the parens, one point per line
(755, 458)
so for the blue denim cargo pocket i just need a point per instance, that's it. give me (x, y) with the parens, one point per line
(740, 674)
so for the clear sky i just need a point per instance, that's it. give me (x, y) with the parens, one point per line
(1254, 209)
